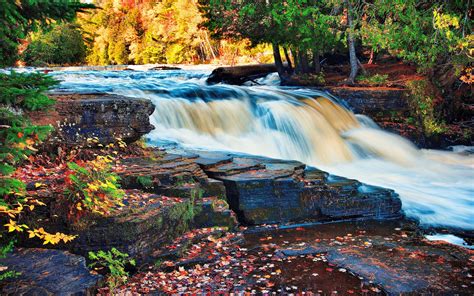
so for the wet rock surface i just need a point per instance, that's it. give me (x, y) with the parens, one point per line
(392, 255)
(176, 221)
(105, 116)
(168, 174)
(146, 221)
(349, 258)
(48, 272)
(240, 74)
(262, 190)
(372, 101)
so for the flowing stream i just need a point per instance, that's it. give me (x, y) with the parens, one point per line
(436, 187)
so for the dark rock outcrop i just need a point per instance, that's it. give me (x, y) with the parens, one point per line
(48, 272)
(262, 190)
(164, 68)
(372, 102)
(240, 74)
(145, 222)
(78, 117)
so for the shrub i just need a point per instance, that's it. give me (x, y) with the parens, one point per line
(90, 186)
(4, 272)
(20, 92)
(145, 181)
(422, 103)
(115, 262)
(63, 44)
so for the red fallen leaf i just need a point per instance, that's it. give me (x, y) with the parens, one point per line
(20, 135)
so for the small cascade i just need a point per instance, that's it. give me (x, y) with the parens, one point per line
(295, 124)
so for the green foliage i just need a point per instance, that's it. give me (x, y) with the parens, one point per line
(422, 103)
(19, 92)
(145, 181)
(5, 273)
(26, 90)
(423, 33)
(62, 45)
(17, 18)
(377, 79)
(91, 186)
(115, 262)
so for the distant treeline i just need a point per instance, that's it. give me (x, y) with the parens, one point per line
(138, 32)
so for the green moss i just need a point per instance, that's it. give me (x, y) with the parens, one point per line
(182, 215)
(377, 79)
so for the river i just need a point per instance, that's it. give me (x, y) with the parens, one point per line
(436, 187)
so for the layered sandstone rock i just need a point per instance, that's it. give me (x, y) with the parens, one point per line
(77, 117)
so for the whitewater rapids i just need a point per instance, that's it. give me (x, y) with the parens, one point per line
(436, 187)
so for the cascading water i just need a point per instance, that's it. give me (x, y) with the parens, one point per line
(301, 124)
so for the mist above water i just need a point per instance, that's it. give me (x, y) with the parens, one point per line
(436, 187)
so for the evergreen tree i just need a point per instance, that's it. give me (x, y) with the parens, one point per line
(17, 18)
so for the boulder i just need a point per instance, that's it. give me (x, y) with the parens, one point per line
(372, 102)
(78, 117)
(262, 190)
(48, 272)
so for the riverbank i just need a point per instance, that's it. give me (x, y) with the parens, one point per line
(209, 221)
(210, 251)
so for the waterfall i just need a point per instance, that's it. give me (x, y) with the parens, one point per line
(299, 124)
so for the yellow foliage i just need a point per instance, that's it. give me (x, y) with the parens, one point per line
(29, 204)
(49, 238)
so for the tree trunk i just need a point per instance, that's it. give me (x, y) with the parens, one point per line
(372, 57)
(297, 59)
(210, 45)
(278, 62)
(316, 62)
(351, 45)
(304, 62)
(361, 67)
(288, 60)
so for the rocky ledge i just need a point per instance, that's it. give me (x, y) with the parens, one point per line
(105, 116)
(39, 274)
(262, 190)
(373, 101)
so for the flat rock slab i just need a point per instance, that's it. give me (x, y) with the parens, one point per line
(48, 272)
(262, 190)
(409, 268)
(401, 267)
(168, 174)
(390, 254)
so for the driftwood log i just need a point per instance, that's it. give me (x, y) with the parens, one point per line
(240, 74)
